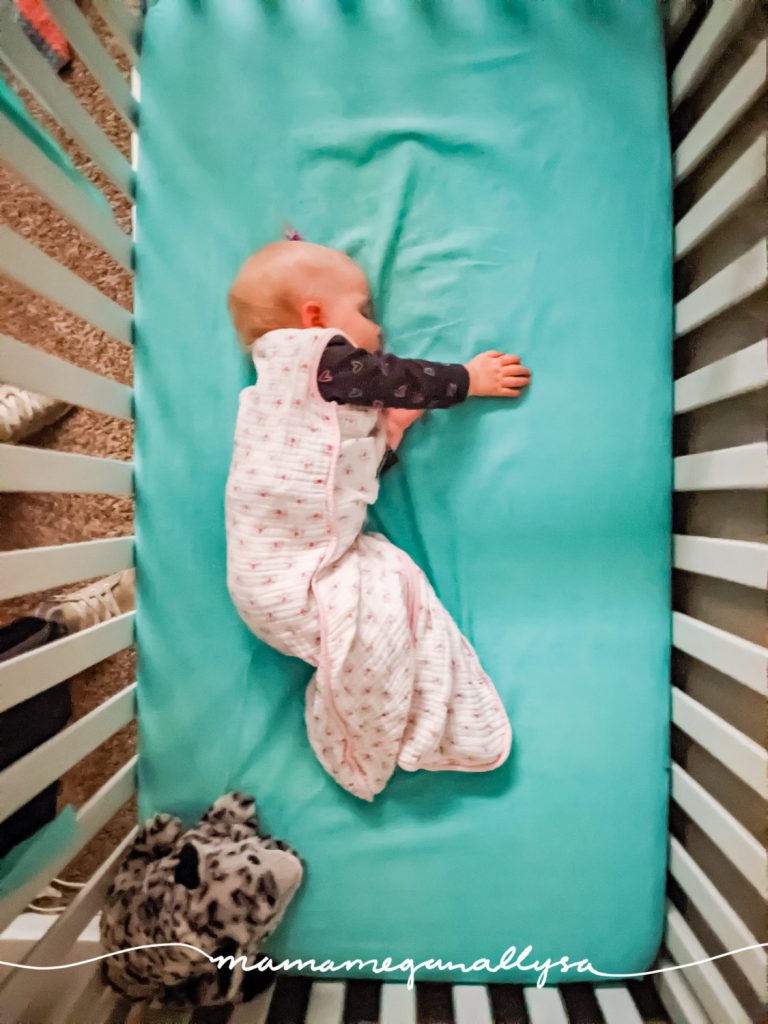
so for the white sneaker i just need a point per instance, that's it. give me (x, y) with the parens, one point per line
(102, 600)
(23, 413)
(49, 892)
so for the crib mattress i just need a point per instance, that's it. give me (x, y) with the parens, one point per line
(501, 172)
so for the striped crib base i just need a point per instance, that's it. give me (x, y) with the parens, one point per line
(302, 1001)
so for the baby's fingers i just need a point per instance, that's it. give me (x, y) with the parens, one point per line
(517, 378)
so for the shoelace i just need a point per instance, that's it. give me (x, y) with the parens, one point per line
(92, 606)
(15, 404)
(50, 891)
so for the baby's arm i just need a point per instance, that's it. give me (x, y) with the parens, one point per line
(406, 388)
(347, 374)
(354, 375)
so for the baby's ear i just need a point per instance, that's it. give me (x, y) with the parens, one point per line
(311, 314)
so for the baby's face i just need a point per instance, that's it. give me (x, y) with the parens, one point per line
(347, 305)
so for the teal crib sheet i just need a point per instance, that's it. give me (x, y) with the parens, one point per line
(501, 171)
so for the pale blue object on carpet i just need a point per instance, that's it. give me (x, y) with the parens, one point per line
(501, 171)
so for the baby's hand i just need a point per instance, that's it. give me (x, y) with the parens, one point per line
(397, 422)
(496, 375)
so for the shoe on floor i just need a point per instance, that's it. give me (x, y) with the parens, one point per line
(23, 413)
(102, 600)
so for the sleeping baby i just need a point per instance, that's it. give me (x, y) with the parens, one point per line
(396, 683)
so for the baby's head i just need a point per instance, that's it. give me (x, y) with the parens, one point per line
(300, 284)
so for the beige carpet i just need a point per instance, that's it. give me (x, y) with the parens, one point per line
(30, 520)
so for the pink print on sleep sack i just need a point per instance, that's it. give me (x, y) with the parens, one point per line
(396, 682)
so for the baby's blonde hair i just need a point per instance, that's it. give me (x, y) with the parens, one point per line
(269, 287)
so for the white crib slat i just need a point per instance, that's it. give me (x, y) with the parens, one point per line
(738, 95)
(721, 24)
(326, 1003)
(107, 800)
(73, 936)
(24, 676)
(90, 818)
(729, 286)
(740, 755)
(23, 157)
(42, 81)
(28, 367)
(471, 1004)
(78, 980)
(739, 561)
(25, 263)
(733, 656)
(679, 1001)
(398, 1005)
(678, 14)
(617, 1005)
(35, 469)
(544, 1005)
(123, 25)
(75, 27)
(30, 774)
(743, 467)
(34, 569)
(720, 916)
(254, 1012)
(743, 371)
(95, 1004)
(732, 839)
(742, 182)
(705, 979)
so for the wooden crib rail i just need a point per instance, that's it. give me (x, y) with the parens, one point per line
(731, 930)
(31, 267)
(33, 469)
(735, 657)
(23, 157)
(718, 70)
(36, 569)
(741, 185)
(73, 937)
(740, 561)
(124, 25)
(299, 1001)
(737, 374)
(53, 170)
(90, 818)
(32, 69)
(43, 765)
(743, 757)
(721, 24)
(31, 673)
(718, 869)
(85, 41)
(23, 468)
(27, 367)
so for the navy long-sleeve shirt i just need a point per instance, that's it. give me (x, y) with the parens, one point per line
(351, 375)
